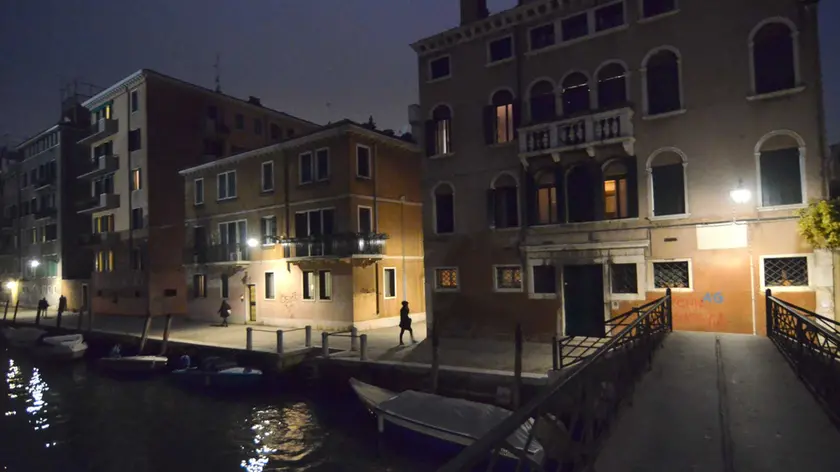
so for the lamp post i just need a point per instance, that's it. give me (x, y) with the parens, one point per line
(740, 194)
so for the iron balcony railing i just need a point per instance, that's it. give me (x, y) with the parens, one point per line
(43, 213)
(571, 417)
(338, 245)
(811, 344)
(217, 253)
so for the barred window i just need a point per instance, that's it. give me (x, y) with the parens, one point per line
(673, 274)
(786, 272)
(624, 278)
(508, 278)
(446, 279)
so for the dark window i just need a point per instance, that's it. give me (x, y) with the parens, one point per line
(198, 196)
(239, 121)
(275, 131)
(545, 279)
(137, 218)
(135, 101)
(786, 272)
(365, 220)
(444, 209)
(543, 102)
(325, 285)
(134, 140)
(258, 126)
(269, 285)
(501, 49)
(575, 93)
(268, 229)
(624, 278)
(290, 133)
(657, 7)
(225, 286)
(51, 232)
(781, 182)
(773, 58)
(542, 36)
(439, 68)
(612, 86)
(305, 168)
(212, 112)
(610, 16)
(503, 203)
(671, 275)
(267, 176)
(136, 259)
(390, 281)
(668, 189)
(363, 167)
(663, 83)
(575, 27)
(322, 169)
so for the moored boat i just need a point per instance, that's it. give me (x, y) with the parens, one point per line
(137, 364)
(22, 337)
(217, 373)
(67, 347)
(446, 424)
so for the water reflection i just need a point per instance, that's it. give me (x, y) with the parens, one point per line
(281, 435)
(34, 390)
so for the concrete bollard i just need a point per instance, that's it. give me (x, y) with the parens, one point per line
(354, 339)
(363, 346)
(249, 339)
(308, 336)
(325, 344)
(280, 342)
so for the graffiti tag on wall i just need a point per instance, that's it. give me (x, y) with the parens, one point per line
(705, 311)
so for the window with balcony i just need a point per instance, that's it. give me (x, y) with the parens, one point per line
(499, 126)
(546, 202)
(364, 168)
(500, 49)
(134, 140)
(773, 58)
(268, 229)
(503, 203)
(365, 219)
(199, 286)
(440, 68)
(444, 208)
(575, 93)
(662, 82)
(543, 102)
(574, 27)
(226, 185)
(103, 224)
(104, 261)
(317, 285)
(439, 132)
(609, 16)
(137, 221)
(267, 176)
(136, 182)
(779, 165)
(541, 37)
(612, 86)
(389, 279)
(198, 192)
(269, 286)
(667, 173)
(233, 233)
(103, 185)
(314, 222)
(446, 279)
(651, 8)
(322, 164)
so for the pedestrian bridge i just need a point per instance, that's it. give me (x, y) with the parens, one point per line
(647, 399)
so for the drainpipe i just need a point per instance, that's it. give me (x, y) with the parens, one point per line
(286, 206)
(402, 240)
(373, 151)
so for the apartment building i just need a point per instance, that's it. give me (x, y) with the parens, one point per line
(584, 156)
(324, 229)
(144, 129)
(39, 248)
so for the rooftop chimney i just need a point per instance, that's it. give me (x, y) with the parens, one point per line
(254, 101)
(473, 10)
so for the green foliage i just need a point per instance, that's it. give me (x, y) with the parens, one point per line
(819, 224)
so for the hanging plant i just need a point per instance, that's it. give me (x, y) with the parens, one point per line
(819, 224)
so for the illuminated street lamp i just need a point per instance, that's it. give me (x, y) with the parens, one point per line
(34, 263)
(740, 194)
(11, 285)
(252, 242)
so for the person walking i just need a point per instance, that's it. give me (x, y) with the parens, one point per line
(44, 306)
(62, 305)
(224, 312)
(405, 323)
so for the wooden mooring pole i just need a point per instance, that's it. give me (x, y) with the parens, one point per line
(145, 334)
(14, 316)
(6, 311)
(517, 367)
(166, 329)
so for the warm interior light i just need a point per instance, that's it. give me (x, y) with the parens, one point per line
(253, 242)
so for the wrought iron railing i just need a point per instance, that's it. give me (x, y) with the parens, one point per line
(339, 245)
(571, 417)
(811, 344)
(217, 253)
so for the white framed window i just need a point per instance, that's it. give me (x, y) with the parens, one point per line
(507, 278)
(662, 88)
(440, 68)
(774, 58)
(780, 165)
(322, 164)
(305, 168)
(446, 279)
(324, 285)
(666, 169)
(672, 273)
(363, 162)
(136, 181)
(389, 281)
(543, 281)
(269, 286)
(365, 218)
(310, 285)
(656, 8)
(267, 176)
(226, 185)
(500, 50)
(626, 277)
(268, 230)
(198, 192)
(317, 285)
(135, 101)
(787, 272)
(233, 233)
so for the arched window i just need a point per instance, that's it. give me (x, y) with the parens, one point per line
(439, 132)
(612, 86)
(503, 202)
(444, 196)
(662, 82)
(546, 198)
(773, 58)
(575, 93)
(780, 158)
(499, 118)
(543, 102)
(667, 173)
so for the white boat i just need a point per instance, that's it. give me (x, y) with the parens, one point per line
(67, 347)
(22, 337)
(133, 363)
(446, 424)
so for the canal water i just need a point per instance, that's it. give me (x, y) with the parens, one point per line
(68, 417)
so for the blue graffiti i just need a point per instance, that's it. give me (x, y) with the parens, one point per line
(716, 298)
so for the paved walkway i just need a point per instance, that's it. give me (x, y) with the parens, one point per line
(726, 403)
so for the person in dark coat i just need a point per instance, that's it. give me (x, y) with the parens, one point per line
(42, 307)
(224, 312)
(62, 305)
(405, 323)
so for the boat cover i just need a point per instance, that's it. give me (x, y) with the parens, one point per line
(66, 340)
(454, 415)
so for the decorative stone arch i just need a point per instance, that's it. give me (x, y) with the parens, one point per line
(643, 70)
(800, 143)
(538, 80)
(443, 183)
(563, 79)
(504, 173)
(438, 105)
(794, 32)
(595, 78)
(497, 90)
(649, 165)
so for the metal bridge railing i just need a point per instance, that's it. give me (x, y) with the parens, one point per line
(570, 417)
(811, 344)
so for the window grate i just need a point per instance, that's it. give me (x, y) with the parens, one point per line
(447, 278)
(624, 278)
(671, 274)
(786, 272)
(509, 278)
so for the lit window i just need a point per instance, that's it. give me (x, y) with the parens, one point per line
(615, 192)
(324, 285)
(508, 278)
(547, 199)
(136, 183)
(268, 229)
(786, 271)
(671, 274)
(199, 286)
(500, 123)
(309, 285)
(439, 132)
(446, 279)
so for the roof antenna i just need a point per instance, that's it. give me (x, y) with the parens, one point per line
(218, 79)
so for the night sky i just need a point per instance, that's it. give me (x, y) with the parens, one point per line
(296, 55)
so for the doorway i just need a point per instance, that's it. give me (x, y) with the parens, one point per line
(583, 299)
(252, 303)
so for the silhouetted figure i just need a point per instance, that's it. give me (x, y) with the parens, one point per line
(405, 323)
(42, 307)
(62, 305)
(224, 312)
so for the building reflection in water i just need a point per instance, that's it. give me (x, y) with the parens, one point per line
(281, 435)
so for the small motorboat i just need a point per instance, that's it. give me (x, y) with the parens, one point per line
(22, 337)
(447, 425)
(215, 372)
(116, 362)
(67, 347)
